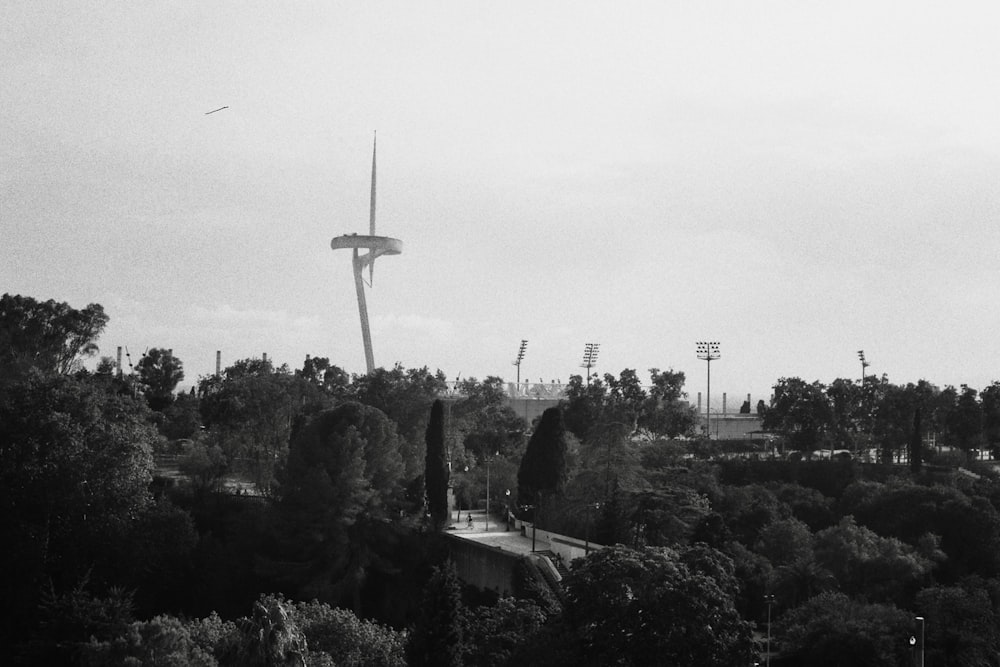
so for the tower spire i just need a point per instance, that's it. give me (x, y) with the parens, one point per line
(376, 247)
(371, 216)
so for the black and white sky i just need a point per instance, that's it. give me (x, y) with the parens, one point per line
(797, 180)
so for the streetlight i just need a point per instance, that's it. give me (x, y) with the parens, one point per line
(590, 351)
(864, 365)
(586, 547)
(921, 619)
(769, 599)
(709, 352)
(520, 357)
(489, 459)
(534, 521)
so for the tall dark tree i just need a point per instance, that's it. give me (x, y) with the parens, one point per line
(436, 639)
(543, 466)
(436, 468)
(916, 450)
(159, 373)
(49, 336)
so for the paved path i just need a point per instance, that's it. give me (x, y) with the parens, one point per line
(494, 535)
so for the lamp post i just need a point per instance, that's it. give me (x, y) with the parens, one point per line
(590, 351)
(586, 545)
(921, 653)
(520, 357)
(489, 459)
(708, 351)
(534, 522)
(769, 599)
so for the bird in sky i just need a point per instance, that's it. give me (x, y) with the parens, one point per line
(214, 110)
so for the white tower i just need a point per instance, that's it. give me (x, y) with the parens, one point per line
(376, 246)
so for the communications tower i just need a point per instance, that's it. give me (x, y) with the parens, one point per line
(376, 247)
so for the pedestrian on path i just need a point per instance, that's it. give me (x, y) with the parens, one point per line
(470, 522)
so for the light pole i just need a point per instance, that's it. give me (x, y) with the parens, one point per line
(769, 599)
(864, 365)
(534, 521)
(590, 351)
(708, 351)
(586, 546)
(489, 459)
(921, 654)
(520, 357)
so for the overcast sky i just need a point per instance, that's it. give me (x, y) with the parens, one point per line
(797, 180)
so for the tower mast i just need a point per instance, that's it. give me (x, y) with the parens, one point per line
(376, 246)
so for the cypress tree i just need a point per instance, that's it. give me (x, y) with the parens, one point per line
(436, 468)
(543, 466)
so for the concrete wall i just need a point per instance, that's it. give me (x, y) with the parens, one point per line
(483, 566)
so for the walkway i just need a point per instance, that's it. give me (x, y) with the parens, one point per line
(493, 535)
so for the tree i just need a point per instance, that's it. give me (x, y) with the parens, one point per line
(965, 421)
(784, 541)
(846, 410)
(436, 639)
(962, 623)
(159, 372)
(655, 606)
(182, 418)
(487, 424)
(493, 633)
(543, 467)
(666, 412)
(331, 380)
(968, 526)
(881, 568)
(338, 634)
(49, 336)
(342, 482)
(405, 396)
(989, 400)
(831, 630)
(75, 465)
(801, 412)
(436, 468)
(251, 411)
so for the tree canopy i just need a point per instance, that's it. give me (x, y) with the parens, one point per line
(49, 336)
(656, 606)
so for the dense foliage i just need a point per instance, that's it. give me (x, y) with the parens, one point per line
(142, 525)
